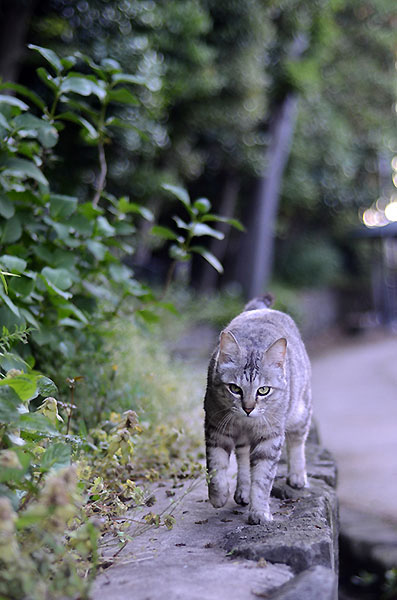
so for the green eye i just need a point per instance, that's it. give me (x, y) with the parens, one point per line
(263, 391)
(235, 389)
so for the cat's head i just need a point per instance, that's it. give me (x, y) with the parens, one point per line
(252, 379)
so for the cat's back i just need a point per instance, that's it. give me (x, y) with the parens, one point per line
(264, 324)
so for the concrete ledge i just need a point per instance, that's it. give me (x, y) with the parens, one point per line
(212, 553)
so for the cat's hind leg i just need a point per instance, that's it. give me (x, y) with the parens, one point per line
(297, 477)
(242, 493)
(295, 437)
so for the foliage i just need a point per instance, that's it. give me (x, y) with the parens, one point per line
(65, 252)
(60, 492)
(199, 215)
(62, 277)
(344, 131)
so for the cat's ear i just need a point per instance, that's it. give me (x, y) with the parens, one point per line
(229, 349)
(275, 355)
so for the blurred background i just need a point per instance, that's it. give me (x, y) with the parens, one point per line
(283, 114)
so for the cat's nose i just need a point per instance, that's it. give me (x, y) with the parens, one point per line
(248, 410)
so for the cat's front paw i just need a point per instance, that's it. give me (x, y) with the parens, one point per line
(259, 517)
(242, 496)
(297, 480)
(218, 496)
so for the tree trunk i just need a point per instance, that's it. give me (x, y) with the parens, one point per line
(14, 21)
(264, 217)
(227, 209)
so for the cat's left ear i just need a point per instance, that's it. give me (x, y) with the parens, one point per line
(275, 355)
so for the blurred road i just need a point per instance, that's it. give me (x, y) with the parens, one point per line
(355, 406)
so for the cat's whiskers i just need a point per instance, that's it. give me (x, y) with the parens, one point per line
(223, 424)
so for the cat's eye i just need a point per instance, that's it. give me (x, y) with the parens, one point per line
(263, 391)
(235, 389)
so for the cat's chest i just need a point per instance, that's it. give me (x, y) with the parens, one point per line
(245, 433)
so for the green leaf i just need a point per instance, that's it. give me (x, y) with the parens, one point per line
(19, 167)
(178, 253)
(86, 125)
(178, 192)
(45, 132)
(49, 55)
(48, 136)
(81, 224)
(62, 207)
(12, 230)
(127, 78)
(209, 257)
(68, 61)
(69, 308)
(57, 456)
(7, 208)
(123, 96)
(25, 386)
(181, 224)
(199, 229)
(48, 80)
(202, 205)
(104, 227)
(163, 232)
(12, 101)
(9, 403)
(233, 222)
(36, 423)
(125, 206)
(7, 300)
(147, 315)
(24, 91)
(68, 322)
(120, 273)
(27, 315)
(46, 387)
(13, 263)
(5, 124)
(60, 278)
(97, 249)
(83, 86)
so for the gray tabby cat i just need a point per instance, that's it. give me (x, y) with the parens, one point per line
(258, 395)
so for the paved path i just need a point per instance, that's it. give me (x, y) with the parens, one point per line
(355, 400)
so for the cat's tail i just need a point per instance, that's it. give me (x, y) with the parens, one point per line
(265, 301)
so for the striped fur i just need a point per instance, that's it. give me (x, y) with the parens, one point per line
(258, 396)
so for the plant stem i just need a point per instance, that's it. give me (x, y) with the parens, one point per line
(70, 409)
(103, 168)
(102, 174)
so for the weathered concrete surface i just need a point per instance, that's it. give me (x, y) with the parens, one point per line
(188, 562)
(302, 534)
(212, 553)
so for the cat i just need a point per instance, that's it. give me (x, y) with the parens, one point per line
(258, 396)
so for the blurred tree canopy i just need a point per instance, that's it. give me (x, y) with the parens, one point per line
(269, 108)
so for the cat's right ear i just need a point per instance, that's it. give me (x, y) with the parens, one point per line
(229, 349)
